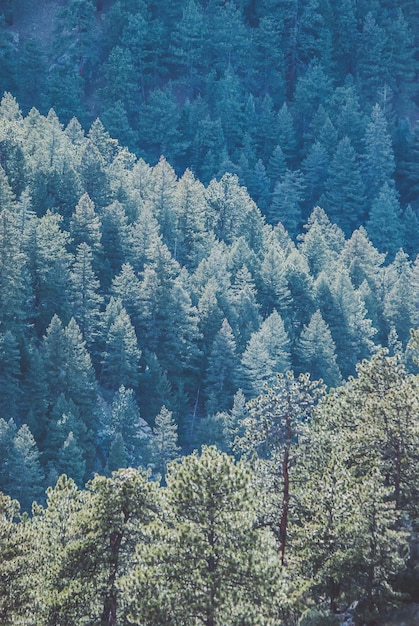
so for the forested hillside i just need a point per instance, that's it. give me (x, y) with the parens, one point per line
(311, 102)
(209, 238)
(128, 294)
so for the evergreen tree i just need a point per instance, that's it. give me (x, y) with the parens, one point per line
(120, 365)
(221, 380)
(85, 224)
(192, 237)
(272, 427)
(26, 478)
(85, 296)
(398, 302)
(344, 198)
(301, 288)
(321, 243)
(314, 168)
(266, 354)
(243, 309)
(384, 223)
(273, 289)
(14, 295)
(287, 199)
(371, 58)
(115, 236)
(70, 459)
(52, 268)
(276, 165)
(10, 375)
(286, 134)
(165, 441)
(207, 566)
(188, 40)
(378, 158)
(125, 421)
(317, 351)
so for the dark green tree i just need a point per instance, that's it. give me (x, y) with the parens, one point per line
(344, 199)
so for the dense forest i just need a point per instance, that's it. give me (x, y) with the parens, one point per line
(209, 285)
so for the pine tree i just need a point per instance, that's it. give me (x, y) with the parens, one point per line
(301, 288)
(378, 157)
(85, 224)
(371, 58)
(70, 460)
(188, 40)
(52, 267)
(273, 289)
(243, 309)
(207, 565)
(266, 354)
(272, 427)
(85, 296)
(314, 168)
(14, 293)
(287, 199)
(10, 375)
(193, 240)
(344, 198)
(120, 365)
(322, 243)
(316, 351)
(26, 478)
(165, 441)
(286, 134)
(223, 369)
(135, 432)
(399, 300)
(384, 224)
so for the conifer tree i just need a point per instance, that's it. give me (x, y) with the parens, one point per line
(271, 428)
(125, 420)
(221, 380)
(70, 460)
(10, 375)
(26, 478)
(85, 296)
(344, 198)
(273, 289)
(210, 564)
(378, 157)
(287, 198)
(243, 309)
(120, 365)
(165, 441)
(266, 354)
(85, 224)
(14, 293)
(384, 224)
(52, 267)
(316, 351)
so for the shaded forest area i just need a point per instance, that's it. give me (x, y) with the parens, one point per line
(311, 102)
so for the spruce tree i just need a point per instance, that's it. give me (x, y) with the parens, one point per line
(267, 353)
(384, 225)
(316, 351)
(164, 444)
(378, 156)
(221, 380)
(344, 199)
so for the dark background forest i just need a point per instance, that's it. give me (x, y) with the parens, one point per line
(196, 197)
